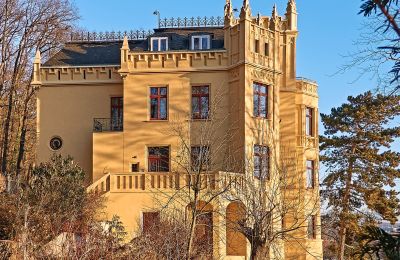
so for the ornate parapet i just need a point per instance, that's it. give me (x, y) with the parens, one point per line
(307, 87)
(177, 61)
(80, 75)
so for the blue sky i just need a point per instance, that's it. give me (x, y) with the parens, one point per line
(327, 32)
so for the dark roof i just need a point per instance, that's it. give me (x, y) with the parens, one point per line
(108, 52)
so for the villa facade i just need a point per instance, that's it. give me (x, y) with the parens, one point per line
(113, 102)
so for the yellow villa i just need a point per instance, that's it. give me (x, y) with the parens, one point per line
(126, 107)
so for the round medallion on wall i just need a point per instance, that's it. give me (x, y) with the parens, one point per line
(56, 143)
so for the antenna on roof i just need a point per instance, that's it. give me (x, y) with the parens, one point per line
(156, 12)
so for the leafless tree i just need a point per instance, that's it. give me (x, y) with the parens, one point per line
(26, 26)
(272, 203)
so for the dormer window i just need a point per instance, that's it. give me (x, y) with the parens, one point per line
(201, 42)
(159, 43)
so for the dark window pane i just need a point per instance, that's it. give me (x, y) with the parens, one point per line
(163, 108)
(155, 45)
(256, 105)
(154, 108)
(205, 43)
(163, 91)
(195, 105)
(154, 91)
(163, 45)
(204, 107)
(196, 43)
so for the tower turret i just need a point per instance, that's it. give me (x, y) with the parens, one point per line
(291, 15)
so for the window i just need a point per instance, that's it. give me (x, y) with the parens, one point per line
(135, 167)
(312, 227)
(201, 42)
(151, 220)
(159, 43)
(56, 143)
(257, 46)
(200, 102)
(266, 49)
(158, 159)
(200, 158)
(158, 103)
(309, 121)
(261, 162)
(310, 168)
(260, 93)
(117, 113)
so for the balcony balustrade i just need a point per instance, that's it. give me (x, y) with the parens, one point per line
(107, 125)
(139, 182)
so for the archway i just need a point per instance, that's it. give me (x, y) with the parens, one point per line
(235, 241)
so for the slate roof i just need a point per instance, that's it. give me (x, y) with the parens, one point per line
(108, 52)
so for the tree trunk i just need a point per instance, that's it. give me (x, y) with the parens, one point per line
(345, 212)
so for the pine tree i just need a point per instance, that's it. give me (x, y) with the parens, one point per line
(361, 167)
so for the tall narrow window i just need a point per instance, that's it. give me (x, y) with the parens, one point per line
(310, 174)
(312, 227)
(158, 103)
(260, 100)
(200, 158)
(309, 121)
(201, 42)
(151, 222)
(257, 46)
(261, 162)
(266, 49)
(159, 44)
(200, 102)
(117, 113)
(158, 158)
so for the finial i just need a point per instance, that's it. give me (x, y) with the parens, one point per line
(291, 6)
(37, 57)
(245, 12)
(228, 12)
(36, 81)
(125, 44)
(275, 12)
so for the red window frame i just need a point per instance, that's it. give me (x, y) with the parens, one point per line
(160, 161)
(309, 121)
(117, 104)
(312, 227)
(262, 152)
(310, 174)
(159, 97)
(257, 96)
(198, 95)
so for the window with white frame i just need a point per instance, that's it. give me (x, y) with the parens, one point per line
(159, 43)
(201, 42)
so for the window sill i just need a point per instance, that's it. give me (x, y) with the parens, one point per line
(199, 119)
(156, 120)
(262, 118)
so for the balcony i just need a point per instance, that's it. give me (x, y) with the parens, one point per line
(101, 125)
(167, 182)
